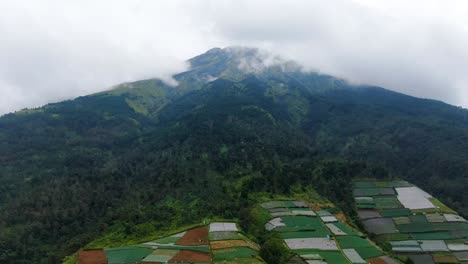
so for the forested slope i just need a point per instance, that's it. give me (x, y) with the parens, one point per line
(147, 152)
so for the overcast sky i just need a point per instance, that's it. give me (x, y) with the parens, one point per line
(55, 50)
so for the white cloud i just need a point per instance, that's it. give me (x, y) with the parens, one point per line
(53, 50)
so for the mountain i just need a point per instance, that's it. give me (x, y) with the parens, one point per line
(145, 154)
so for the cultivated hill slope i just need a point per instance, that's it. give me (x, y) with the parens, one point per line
(236, 123)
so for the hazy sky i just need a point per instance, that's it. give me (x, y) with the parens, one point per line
(55, 50)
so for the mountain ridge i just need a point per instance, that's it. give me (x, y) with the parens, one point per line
(71, 170)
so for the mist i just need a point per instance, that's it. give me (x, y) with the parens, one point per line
(56, 50)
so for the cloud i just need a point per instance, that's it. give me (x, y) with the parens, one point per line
(416, 48)
(53, 50)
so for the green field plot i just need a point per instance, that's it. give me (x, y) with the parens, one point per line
(391, 237)
(348, 230)
(230, 254)
(365, 203)
(329, 256)
(419, 218)
(353, 242)
(373, 191)
(365, 184)
(369, 252)
(431, 227)
(166, 240)
(201, 248)
(123, 255)
(434, 235)
(302, 221)
(335, 257)
(395, 212)
(401, 220)
(380, 226)
(387, 202)
(305, 234)
(228, 235)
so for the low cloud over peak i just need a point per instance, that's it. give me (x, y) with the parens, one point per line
(54, 50)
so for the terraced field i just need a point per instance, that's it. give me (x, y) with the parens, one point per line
(319, 236)
(219, 242)
(414, 224)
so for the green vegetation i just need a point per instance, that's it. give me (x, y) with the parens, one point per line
(233, 253)
(147, 158)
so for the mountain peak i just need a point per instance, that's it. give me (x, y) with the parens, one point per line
(234, 62)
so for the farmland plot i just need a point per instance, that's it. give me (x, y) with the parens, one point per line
(219, 242)
(320, 236)
(416, 225)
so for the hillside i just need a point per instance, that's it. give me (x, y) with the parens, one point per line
(146, 152)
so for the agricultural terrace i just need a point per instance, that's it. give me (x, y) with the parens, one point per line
(218, 242)
(411, 222)
(319, 236)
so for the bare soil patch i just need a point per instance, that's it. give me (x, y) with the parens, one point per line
(193, 237)
(188, 256)
(232, 243)
(92, 257)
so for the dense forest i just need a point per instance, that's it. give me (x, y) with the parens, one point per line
(146, 152)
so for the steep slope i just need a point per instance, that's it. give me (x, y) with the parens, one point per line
(147, 152)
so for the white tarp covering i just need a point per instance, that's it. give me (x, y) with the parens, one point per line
(179, 234)
(433, 245)
(458, 247)
(274, 223)
(313, 259)
(406, 249)
(353, 256)
(219, 226)
(406, 246)
(463, 256)
(276, 214)
(329, 219)
(335, 230)
(414, 198)
(312, 256)
(306, 213)
(454, 218)
(300, 204)
(311, 243)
